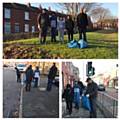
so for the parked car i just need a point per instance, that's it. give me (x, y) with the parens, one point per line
(101, 87)
(22, 67)
(5, 65)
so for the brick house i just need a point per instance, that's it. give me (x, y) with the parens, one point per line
(19, 18)
(70, 73)
(106, 24)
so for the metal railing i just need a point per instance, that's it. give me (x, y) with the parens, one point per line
(108, 105)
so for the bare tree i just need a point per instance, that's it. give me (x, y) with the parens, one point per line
(100, 14)
(74, 8)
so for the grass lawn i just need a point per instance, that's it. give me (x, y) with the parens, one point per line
(101, 46)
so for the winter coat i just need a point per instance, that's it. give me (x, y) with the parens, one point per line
(17, 72)
(81, 86)
(68, 94)
(61, 25)
(76, 94)
(82, 20)
(29, 75)
(43, 20)
(36, 73)
(53, 21)
(52, 72)
(92, 90)
(69, 24)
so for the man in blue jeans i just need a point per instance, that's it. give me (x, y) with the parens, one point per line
(51, 76)
(53, 25)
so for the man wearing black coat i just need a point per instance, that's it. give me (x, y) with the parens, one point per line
(82, 22)
(69, 24)
(29, 77)
(43, 23)
(18, 74)
(51, 76)
(81, 86)
(91, 92)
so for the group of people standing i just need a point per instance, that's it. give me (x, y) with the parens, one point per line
(75, 93)
(45, 22)
(30, 75)
(34, 75)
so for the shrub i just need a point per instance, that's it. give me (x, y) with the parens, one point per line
(18, 36)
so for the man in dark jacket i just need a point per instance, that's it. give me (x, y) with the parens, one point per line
(82, 22)
(43, 23)
(53, 25)
(51, 76)
(69, 24)
(68, 95)
(91, 92)
(18, 74)
(81, 86)
(29, 77)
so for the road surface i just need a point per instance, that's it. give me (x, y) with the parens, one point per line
(11, 93)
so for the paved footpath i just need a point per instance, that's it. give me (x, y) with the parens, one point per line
(39, 103)
(82, 113)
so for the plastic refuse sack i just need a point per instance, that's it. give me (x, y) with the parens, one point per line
(73, 44)
(82, 43)
(86, 103)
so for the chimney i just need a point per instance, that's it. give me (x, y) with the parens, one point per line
(28, 4)
(49, 8)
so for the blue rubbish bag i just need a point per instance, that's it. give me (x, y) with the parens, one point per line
(73, 44)
(82, 44)
(86, 103)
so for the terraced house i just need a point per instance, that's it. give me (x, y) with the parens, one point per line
(19, 18)
(70, 73)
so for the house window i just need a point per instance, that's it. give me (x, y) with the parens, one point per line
(26, 27)
(33, 28)
(7, 28)
(17, 27)
(7, 13)
(26, 15)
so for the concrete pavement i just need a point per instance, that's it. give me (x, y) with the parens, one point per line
(39, 103)
(81, 113)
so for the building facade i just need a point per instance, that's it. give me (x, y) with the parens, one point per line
(106, 24)
(70, 73)
(108, 78)
(20, 18)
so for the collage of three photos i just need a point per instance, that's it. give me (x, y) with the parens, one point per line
(60, 60)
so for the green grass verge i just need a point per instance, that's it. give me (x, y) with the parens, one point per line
(101, 46)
